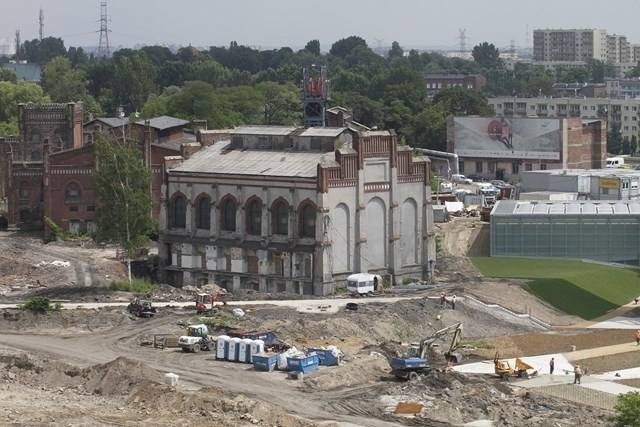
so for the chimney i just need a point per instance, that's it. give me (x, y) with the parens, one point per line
(188, 149)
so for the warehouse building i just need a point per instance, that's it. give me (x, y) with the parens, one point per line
(592, 184)
(601, 231)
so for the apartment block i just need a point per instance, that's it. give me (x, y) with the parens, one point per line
(570, 45)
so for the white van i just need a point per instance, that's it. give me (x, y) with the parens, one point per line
(615, 162)
(363, 283)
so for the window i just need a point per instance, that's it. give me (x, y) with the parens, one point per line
(543, 166)
(461, 167)
(515, 167)
(308, 221)
(23, 191)
(492, 166)
(479, 167)
(254, 216)
(178, 212)
(528, 167)
(280, 218)
(228, 214)
(72, 193)
(203, 213)
(91, 208)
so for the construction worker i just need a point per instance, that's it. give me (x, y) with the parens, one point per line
(577, 374)
(443, 299)
(552, 365)
(638, 337)
(453, 302)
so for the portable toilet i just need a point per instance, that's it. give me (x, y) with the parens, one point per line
(222, 347)
(234, 346)
(257, 347)
(243, 350)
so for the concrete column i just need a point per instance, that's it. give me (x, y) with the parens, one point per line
(393, 255)
(360, 263)
(293, 215)
(214, 229)
(240, 213)
(266, 218)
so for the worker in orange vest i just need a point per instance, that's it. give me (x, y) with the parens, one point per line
(638, 337)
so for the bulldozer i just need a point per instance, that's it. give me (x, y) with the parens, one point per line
(414, 358)
(197, 339)
(521, 369)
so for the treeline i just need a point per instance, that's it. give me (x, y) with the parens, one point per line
(237, 84)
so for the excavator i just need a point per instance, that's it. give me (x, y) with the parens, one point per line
(202, 300)
(521, 369)
(414, 359)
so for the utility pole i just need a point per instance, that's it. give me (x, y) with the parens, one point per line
(104, 49)
(41, 23)
(18, 44)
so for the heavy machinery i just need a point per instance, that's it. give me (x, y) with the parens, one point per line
(521, 369)
(414, 360)
(197, 339)
(141, 308)
(203, 299)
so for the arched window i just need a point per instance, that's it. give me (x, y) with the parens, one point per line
(254, 216)
(203, 213)
(228, 214)
(178, 212)
(72, 193)
(280, 217)
(308, 221)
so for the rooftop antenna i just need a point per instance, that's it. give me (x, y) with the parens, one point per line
(104, 50)
(41, 23)
(462, 36)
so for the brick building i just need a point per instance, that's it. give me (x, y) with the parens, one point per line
(436, 82)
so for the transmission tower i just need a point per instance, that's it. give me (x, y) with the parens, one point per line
(462, 36)
(41, 23)
(104, 50)
(18, 44)
(512, 49)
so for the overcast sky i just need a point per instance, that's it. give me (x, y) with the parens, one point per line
(274, 23)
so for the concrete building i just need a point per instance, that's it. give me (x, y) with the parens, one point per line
(594, 184)
(624, 113)
(436, 82)
(623, 88)
(570, 45)
(601, 231)
(279, 209)
(501, 148)
(582, 90)
(618, 49)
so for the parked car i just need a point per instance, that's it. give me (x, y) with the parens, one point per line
(461, 179)
(446, 187)
(498, 183)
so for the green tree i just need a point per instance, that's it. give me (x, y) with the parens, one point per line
(122, 183)
(11, 94)
(43, 51)
(462, 102)
(396, 51)
(614, 139)
(282, 104)
(313, 47)
(7, 76)
(429, 128)
(627, 410)
(133, 80)
(487, 55)
(343, 47)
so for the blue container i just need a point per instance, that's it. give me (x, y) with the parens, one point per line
(303, 364)
(326, 357)
(265, 362)
(400, 363)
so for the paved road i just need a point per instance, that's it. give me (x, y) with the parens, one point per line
(328, 305)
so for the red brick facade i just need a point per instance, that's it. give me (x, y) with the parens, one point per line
(586, 144)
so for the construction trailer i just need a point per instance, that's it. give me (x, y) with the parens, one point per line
(604, 231)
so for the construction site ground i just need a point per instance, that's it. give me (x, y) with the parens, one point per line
(97, 367)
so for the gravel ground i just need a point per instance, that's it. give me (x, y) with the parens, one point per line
(612, 362)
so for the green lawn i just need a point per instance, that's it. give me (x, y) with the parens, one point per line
(584, 289)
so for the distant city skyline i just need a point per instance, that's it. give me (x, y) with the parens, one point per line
(413, 23)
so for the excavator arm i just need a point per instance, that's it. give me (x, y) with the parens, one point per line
(427, 343)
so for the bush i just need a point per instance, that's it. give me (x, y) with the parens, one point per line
(408, 280)
(138, 286)
(40, 305)
(627, 410)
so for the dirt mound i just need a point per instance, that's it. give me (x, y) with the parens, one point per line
(63, 322)
(216, 407)
(365, 368)
(118, 377)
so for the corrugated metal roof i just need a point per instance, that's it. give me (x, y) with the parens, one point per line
(264, 130)
(216, 159)
(329, 132)
(113, 122)
(573, 207)
(163, 122)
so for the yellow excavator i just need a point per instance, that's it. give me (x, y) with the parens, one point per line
(521, 369)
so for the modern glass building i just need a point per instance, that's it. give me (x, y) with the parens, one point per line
(606, 231)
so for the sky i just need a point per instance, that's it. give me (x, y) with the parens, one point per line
(276, 23)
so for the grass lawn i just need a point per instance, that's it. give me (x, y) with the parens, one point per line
(583, 289)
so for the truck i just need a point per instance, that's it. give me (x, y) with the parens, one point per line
(197, 339)
(615, 162)
(414, 360)
(141, 308)
(520, 368)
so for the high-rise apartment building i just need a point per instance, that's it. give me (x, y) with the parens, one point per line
(618, 49)
(570, 45)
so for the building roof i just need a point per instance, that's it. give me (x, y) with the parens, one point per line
(325, 131)
(163, 122)
(264, 130)
(111, 121)
(175, 144)
(218, 159)
(509, 208)
(607, 172)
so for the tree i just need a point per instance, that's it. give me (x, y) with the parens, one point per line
(487, 55)
(122, 184)
(343, 47)
(7, 76)
(43, 51)
(11, 94)
(462, 102)
(313, 47)
(133, 80)
(281, 104)
(61, 82)
(396, 51)
(614, 139)
(627, 410)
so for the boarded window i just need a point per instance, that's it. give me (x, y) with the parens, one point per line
(280, 215)
(178, 212)
(203, 213)
(308, 221)
(72, 193)
(228, 215)
(254, 217)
